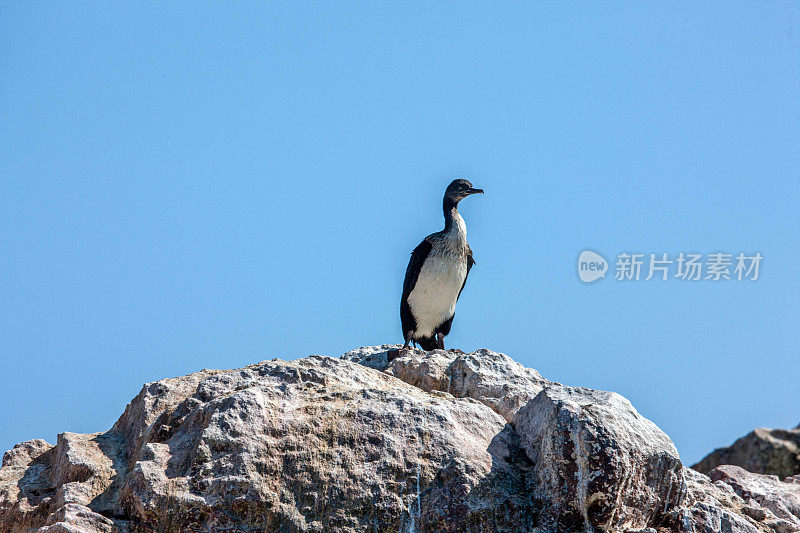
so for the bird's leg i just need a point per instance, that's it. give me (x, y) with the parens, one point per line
(391, 354)
(440, 341)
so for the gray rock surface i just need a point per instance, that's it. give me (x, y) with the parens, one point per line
(763, 451)
(597, 462)
(492, 378)
(437, 441)
(734, 500)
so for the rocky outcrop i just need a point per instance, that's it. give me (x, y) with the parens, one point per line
(735, 500)
(492, 378)
(597, 461)
(437, 441)
(763, 451)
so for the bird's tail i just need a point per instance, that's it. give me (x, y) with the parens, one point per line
(427, 343)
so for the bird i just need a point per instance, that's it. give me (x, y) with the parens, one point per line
(436, 275)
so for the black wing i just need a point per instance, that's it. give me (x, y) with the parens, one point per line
(418, 257)
(470, 262)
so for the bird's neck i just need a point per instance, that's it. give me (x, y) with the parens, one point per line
(453, 222)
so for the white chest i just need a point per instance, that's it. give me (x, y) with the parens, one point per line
(433, 300)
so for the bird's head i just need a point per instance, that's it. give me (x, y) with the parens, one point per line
(458, 190)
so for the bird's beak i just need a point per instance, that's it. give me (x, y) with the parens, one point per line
(475, 191)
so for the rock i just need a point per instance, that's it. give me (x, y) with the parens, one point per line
(492, 378)
(763, 451)
(24, 480)
(311, 445)
(372, 356)
(776, 498)
(736, 501)
(597, 462)
(74, 518)
(711, 508)
(438, 441)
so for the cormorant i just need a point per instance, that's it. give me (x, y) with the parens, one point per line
(436, 275)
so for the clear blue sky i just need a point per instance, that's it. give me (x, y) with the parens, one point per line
(192, 185)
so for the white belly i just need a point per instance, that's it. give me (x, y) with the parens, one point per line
(433, 299)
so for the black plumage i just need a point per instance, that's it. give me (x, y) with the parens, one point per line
(412, 273)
